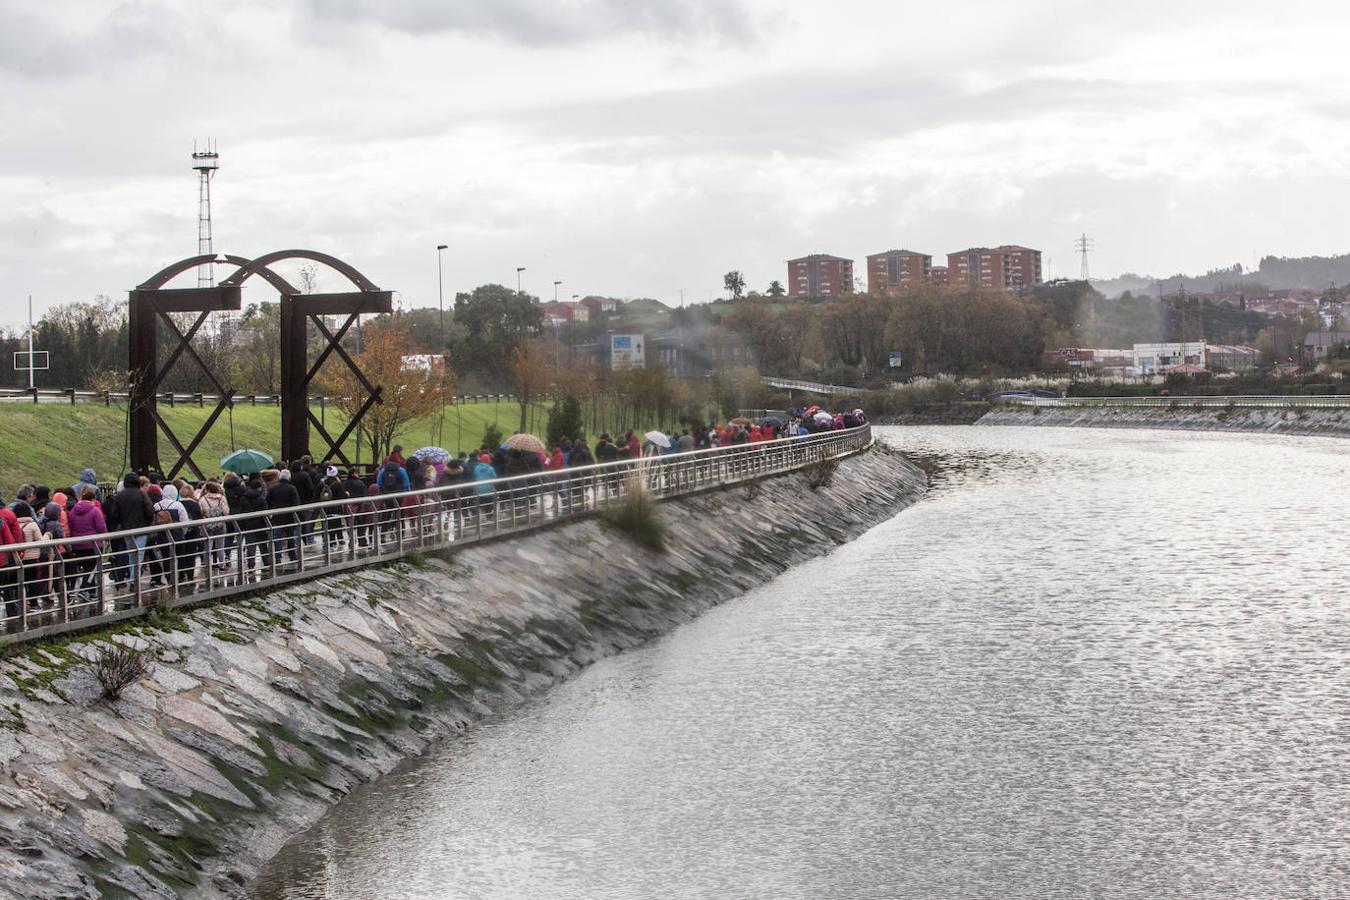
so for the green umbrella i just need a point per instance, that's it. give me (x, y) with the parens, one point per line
(243, 462)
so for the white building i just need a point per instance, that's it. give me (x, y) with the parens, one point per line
(1150, 359)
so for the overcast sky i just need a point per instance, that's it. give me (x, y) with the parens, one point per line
(644, 147)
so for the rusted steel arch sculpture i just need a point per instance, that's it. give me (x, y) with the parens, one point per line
(151, 302)
(256, 266)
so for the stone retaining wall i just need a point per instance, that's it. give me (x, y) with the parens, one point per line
(262, 713)
(1273, 421)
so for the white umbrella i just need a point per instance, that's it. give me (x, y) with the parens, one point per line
(659, 438)
(823, 418)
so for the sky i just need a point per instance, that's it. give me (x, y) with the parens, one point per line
(645, 147)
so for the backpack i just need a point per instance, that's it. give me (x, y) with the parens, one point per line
(390, 483)
(213, 506)
(162, 517)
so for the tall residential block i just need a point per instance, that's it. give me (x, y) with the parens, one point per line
(894, 269)
(1008, 267)
(820, 275)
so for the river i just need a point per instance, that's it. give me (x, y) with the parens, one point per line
(1090, 663)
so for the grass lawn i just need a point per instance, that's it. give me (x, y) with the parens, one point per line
(50, 443)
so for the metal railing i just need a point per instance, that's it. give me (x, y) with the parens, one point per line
(53, 586)
(812, 387)
(1267, 401)
(179, 398)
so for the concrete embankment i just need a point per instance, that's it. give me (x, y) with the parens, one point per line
(956, 414)
(1335, 422)
(262, 713)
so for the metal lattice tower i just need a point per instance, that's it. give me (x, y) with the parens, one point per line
(1084, 246)
(205, 162)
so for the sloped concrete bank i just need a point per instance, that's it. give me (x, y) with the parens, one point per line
(261, 714)
(1272, 421)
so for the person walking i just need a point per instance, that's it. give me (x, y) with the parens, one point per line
(87, 478)
(33, 575)
(128, 509)
(282, 495)
(11, 536)
(215, 505)
(253, 530)
(86, 520)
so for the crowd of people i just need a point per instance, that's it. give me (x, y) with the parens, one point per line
(52, 553)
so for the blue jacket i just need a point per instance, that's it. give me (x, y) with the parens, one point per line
(483, 473)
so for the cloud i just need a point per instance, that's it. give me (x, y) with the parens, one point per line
(552, 23)
(40, 48)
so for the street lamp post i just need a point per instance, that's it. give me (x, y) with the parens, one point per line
(440, 290)
(519, 269)
(555, 291)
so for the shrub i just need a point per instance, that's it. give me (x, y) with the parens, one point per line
(565, 420)
(820, 474)
(635, 515)
(117, 667)
(492, 437)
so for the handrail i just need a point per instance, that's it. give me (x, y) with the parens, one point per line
(130, 571)
(77, 395)
(1252, 401)
(814, 387)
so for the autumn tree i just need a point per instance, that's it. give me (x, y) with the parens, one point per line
(529, 369)
(407, 395)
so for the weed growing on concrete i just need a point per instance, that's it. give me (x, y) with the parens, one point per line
(820, 474)
(117, 667)
(635, 514)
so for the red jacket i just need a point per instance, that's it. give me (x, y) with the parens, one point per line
(557, 461)
(10, 533)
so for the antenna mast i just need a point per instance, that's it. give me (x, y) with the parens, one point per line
(205, 163)
(1084, 246)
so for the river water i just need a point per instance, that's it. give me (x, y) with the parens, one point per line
(1090, 663)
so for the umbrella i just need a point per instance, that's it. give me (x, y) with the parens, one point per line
(432, 454)
(242, 462)
(741, 420)
(527, 442)
(658, 438)
(823, 418)
(772, 420)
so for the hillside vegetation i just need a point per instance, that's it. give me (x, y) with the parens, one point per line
(51, 443)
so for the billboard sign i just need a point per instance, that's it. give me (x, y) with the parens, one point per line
(626, 351)
(21, 361)
(896, 360)
(423, 362)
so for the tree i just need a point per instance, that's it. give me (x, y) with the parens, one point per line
(530, 372)
(734, 282)
(489, 324)
(407, 395)
(776, 290)
(257, 349)
(564, 420)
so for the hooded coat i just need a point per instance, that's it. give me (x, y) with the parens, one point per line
(86, 478)
(86, 519)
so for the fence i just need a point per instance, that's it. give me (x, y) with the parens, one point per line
(811, 387)
(1270, 401)
(108, 398)
(50, 587)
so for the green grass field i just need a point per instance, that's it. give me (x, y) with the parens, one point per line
(50, 443)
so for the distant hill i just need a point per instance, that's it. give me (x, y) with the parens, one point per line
(1275, 273)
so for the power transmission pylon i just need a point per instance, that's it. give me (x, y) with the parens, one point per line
(1084, 246)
